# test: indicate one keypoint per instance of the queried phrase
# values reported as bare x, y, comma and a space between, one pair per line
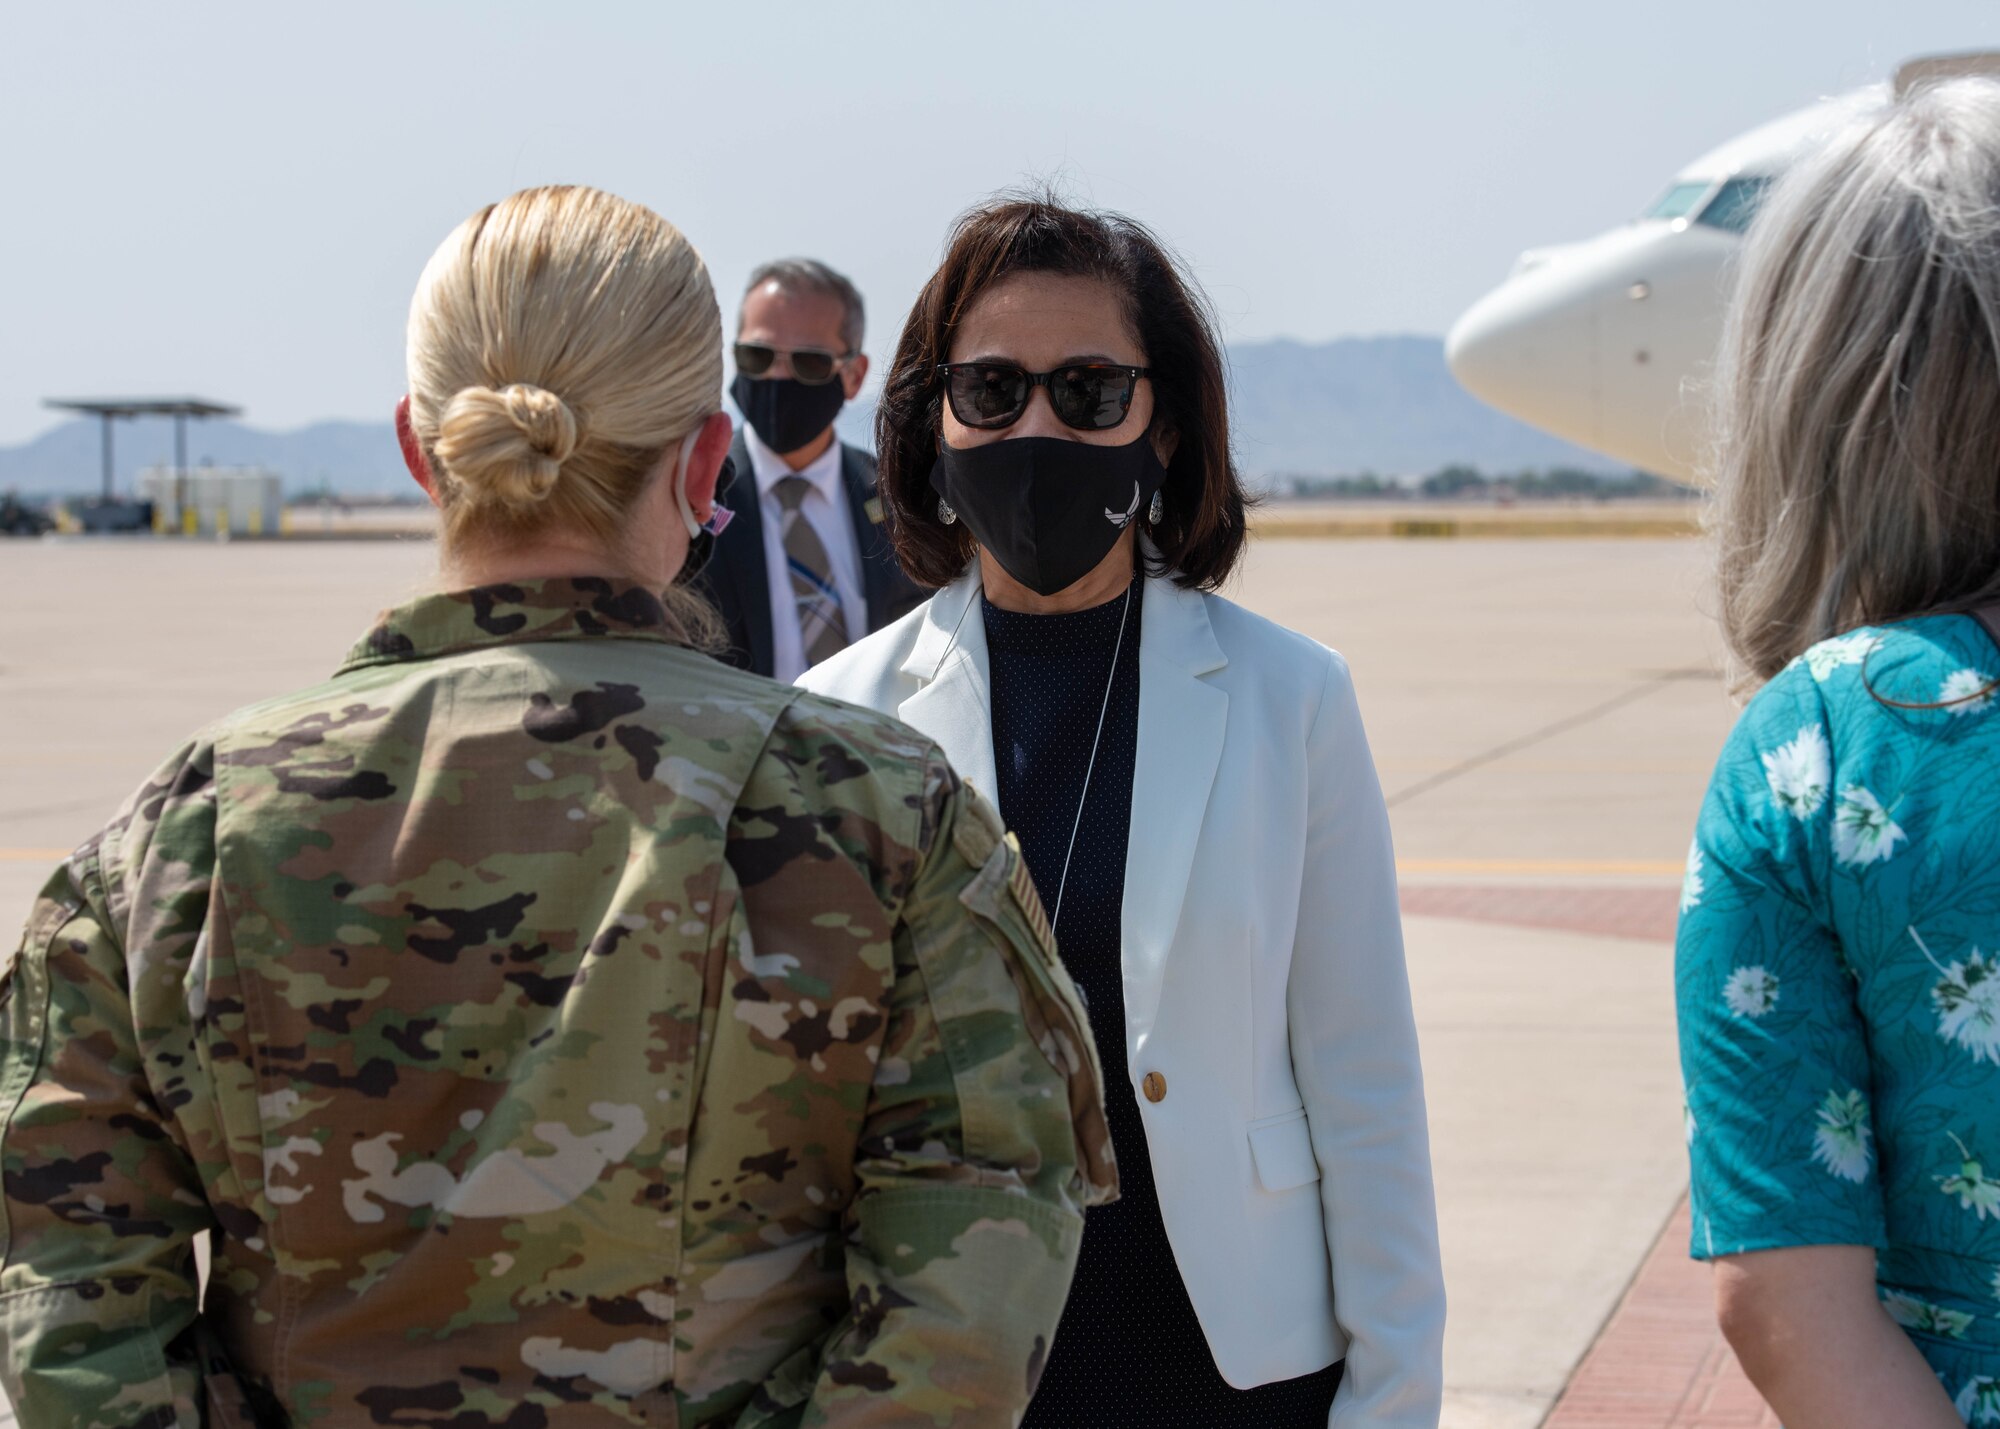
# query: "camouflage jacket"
548, 1025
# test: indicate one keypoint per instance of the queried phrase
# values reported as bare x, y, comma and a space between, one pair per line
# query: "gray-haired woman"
1840, 1023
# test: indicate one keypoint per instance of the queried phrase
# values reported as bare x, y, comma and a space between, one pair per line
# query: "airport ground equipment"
18, 518
214, 500
111, 516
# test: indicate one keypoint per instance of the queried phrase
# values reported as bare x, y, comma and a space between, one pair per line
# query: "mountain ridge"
1386, 405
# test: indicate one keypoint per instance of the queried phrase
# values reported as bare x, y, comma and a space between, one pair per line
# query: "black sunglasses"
1090, 396
811, 365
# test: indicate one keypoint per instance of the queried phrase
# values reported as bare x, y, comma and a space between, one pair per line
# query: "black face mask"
1049, 510
784, 412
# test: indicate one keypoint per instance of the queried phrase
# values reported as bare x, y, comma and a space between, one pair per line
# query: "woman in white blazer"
1194, 792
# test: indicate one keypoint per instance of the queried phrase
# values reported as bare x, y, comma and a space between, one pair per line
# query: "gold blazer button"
1155, 1087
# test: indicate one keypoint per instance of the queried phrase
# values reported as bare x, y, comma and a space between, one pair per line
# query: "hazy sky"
235, 201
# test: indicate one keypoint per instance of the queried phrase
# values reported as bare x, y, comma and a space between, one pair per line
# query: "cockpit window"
1680, 201
1734, 205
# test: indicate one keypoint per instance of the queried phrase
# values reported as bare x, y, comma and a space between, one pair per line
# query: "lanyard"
1110, 680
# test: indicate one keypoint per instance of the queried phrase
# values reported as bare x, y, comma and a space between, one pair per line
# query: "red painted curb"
1661, 1362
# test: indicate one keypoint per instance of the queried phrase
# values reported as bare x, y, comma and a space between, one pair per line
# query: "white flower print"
1687, 1134
1914, 1314
1750, 992
1800, 772
1691, 884
1979, 1402
1966, 692
1996, 1285
1967, 997
1842, 1142
1974, 1191
1863, 832
1830, 655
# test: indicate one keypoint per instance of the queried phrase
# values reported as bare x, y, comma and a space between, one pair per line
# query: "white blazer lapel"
954, 700
1182, 721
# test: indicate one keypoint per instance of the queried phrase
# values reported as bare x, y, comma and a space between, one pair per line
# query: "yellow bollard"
255, 525
190, 521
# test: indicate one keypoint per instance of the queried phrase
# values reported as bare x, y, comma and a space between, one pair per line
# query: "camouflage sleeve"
98, 1297
984, 1141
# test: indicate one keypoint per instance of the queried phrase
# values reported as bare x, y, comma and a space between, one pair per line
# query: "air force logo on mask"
1122, 519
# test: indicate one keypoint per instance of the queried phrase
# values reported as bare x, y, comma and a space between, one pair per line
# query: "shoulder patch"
1021, 888
1003, 893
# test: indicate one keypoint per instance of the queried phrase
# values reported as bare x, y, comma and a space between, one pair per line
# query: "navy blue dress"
1129, 1351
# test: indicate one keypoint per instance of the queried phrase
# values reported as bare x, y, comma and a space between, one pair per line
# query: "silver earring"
945, 513
1157, 511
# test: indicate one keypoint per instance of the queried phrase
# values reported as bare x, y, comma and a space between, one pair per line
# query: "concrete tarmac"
1544, 714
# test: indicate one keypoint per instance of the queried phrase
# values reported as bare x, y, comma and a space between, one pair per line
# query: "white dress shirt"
826, 507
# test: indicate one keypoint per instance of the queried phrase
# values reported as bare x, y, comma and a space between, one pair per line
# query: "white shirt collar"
769, 468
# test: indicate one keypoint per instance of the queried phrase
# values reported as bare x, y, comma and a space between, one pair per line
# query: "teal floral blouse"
1838, 980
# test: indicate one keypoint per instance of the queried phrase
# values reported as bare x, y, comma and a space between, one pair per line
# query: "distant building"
214, 500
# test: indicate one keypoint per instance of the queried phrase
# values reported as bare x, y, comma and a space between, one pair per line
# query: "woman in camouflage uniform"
546, 1024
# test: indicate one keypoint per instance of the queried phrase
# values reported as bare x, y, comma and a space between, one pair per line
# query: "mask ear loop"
681, 467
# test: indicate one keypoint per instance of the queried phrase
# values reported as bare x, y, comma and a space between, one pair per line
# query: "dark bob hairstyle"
1201, 535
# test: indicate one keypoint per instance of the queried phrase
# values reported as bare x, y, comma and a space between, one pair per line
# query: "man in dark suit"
805, 568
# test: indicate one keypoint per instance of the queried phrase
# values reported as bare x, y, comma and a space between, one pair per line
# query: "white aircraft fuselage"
1610, 342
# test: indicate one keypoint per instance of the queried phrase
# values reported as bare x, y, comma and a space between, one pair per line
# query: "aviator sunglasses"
811, 365
1090, 396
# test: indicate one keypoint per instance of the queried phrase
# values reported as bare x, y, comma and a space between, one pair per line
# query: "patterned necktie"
822, 626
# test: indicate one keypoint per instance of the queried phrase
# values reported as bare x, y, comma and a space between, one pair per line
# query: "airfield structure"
112, 409
214, 500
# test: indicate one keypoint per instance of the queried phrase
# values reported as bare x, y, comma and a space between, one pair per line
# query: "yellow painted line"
1546, 867
32, 855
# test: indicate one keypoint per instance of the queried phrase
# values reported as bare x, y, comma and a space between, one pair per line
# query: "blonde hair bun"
509, 445
561, 344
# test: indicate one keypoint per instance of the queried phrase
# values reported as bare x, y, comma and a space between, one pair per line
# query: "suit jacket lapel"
954, 701
1182, 721
747, 566
871, 540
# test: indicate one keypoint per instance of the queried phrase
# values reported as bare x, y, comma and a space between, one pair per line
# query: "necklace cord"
952, 644
1110, 682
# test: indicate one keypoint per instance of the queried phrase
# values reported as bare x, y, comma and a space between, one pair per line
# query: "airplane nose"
1605, 343
1530, 348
